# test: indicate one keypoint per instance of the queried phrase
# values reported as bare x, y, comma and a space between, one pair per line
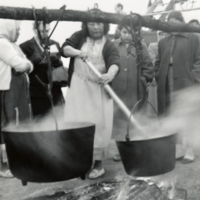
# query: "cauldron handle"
132, 111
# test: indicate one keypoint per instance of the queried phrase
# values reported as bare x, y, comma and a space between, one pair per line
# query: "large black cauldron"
36, 155
148, 157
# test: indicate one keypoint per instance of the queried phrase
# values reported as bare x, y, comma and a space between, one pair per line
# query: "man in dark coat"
177, 66
34, 51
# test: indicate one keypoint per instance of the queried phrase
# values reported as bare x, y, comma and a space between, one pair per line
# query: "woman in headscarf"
14, 90
86, 99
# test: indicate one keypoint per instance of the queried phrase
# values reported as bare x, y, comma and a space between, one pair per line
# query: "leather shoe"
95, 173
186, 161
117, 157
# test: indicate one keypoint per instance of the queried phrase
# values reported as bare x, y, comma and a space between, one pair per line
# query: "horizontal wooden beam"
19, 13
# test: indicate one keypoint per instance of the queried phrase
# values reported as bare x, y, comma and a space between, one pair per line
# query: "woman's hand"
29, 67
83, 55
36, 59
109, 76
106, 78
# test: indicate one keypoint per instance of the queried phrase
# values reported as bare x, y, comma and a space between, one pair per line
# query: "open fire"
131, 189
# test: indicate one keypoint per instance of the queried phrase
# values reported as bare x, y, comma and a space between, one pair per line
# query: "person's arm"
112, 61
110, 75
70, 48
69, 51
10, 56
32, 54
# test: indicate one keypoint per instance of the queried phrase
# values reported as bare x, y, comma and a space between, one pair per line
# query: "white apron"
86, 100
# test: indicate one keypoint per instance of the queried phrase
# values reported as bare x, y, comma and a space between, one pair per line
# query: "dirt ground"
187, 176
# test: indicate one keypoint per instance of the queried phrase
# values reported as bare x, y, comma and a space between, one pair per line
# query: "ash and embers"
125, 190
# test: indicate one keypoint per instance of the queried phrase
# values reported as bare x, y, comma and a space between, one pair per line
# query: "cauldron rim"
74, 125
147, 139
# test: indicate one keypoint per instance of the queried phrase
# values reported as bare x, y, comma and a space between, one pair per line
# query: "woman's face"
96, 30
126, 36
44, 32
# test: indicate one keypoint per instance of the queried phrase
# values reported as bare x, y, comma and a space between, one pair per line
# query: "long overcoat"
183, 50
126, 83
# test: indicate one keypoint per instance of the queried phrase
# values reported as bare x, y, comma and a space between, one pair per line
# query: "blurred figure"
87, 100
14, 83
118, 10
34, 51
194, 22
177, 67
153, 47
130, 85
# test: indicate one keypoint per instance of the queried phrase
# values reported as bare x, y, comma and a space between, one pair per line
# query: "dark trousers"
42, 106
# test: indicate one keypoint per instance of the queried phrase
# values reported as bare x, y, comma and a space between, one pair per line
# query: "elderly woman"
14, 90
86, 99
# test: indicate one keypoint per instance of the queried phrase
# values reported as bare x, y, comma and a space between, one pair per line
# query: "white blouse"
10, 57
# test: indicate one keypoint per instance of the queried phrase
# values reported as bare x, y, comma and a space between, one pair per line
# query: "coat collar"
182, 34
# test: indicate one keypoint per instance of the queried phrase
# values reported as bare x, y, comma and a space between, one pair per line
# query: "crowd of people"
173, 61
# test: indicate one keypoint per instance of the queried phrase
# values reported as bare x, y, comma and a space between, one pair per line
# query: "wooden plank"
73, 15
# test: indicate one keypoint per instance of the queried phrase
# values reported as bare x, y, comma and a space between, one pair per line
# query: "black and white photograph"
100, 100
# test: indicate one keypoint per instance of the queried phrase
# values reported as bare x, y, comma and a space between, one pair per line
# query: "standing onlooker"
87, 99
34, 51
153, 53
128, 85
153, 47
118, 10
177, 67
14, 86
195, 22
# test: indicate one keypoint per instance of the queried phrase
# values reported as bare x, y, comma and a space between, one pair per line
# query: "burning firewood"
121, 190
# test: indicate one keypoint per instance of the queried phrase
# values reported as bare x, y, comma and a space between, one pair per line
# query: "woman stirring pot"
86, 100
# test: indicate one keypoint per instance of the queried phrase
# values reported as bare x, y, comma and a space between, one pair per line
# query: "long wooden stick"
72, 15
117, 100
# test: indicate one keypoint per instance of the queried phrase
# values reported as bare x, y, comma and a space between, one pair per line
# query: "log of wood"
19, 13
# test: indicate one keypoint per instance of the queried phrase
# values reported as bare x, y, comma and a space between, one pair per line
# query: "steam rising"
183, 118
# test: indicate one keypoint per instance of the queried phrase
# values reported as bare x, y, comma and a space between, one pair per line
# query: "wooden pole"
118, 101
72, 15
